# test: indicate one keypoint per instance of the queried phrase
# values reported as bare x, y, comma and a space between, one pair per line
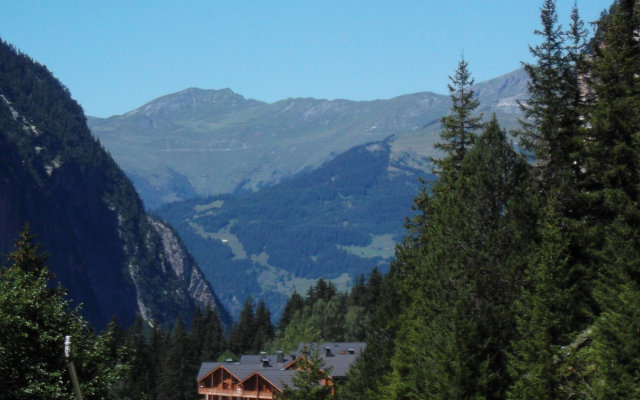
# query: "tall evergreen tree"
542, 135
27, 254
207, 335
612, 177
158, 345
454, 336
34, 320
264, 331
544, 310
294, 304
139, 381
178, 371
310, 381
460, 126
243, 330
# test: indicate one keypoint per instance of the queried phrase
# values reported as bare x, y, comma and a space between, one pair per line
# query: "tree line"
145, 360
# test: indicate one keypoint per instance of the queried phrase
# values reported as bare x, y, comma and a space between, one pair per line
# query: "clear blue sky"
116, 55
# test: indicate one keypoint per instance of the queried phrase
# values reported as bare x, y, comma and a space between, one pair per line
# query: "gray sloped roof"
239, 369
279, 377
339, 364
342, 356
336, 347
257, 359
207, 367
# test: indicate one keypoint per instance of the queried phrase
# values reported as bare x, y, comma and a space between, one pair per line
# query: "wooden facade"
222, 384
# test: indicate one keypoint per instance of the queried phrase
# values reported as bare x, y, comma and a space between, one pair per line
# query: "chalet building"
260, 376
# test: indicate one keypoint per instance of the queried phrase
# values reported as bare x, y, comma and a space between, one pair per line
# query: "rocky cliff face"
176, 261
54, 176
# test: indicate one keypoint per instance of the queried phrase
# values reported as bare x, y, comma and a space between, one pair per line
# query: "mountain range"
55, 178
205, 142
271, 196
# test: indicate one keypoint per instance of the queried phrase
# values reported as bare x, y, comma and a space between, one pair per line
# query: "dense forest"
518, 278
143, 362
303, 227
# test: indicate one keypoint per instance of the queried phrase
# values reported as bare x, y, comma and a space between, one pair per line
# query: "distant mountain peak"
234, 143
190, 99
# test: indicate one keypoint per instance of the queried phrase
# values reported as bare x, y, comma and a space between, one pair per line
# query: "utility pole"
72, 368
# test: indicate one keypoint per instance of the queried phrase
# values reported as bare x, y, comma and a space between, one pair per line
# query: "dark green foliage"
139, 382
366, 377
545, 310
176, 380
242, 333
34, 321
453, 338
116, 364
323, 290
310, 380
460, 126
263, 329
27, 254
208, 336
513, 284
294, 304
542, 135
327, 315
554, 112
614, 152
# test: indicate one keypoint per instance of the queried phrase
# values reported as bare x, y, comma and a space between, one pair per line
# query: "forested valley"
518, 277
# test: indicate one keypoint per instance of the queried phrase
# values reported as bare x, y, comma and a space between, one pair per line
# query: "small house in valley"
260, 376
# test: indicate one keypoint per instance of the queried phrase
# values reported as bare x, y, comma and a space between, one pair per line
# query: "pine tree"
294, 304
176, 377
33, 323
368, 376
542, 135
454, 335
544, 311
612, 179
207, 335
264, 331
243, 330
103, 374
28, 256
390, 344
310, 381
34, 320
139, 381
158, 346
460, 127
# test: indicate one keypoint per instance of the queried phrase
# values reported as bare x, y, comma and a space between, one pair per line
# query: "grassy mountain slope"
206, 142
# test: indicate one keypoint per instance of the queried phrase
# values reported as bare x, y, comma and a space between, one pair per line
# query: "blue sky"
116, 55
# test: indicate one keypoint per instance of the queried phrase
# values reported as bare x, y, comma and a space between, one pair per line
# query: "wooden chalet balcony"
220, 392
254, 394
245, 394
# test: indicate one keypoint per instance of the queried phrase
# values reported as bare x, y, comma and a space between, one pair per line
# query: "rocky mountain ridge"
54, 176
237, 144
